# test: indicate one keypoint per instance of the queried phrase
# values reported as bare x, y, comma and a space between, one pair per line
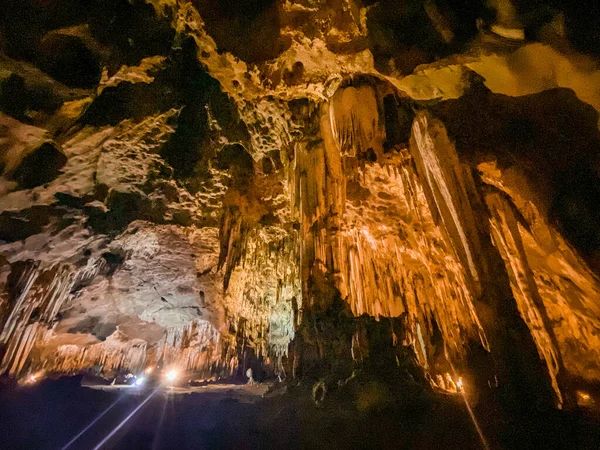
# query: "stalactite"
346, 209
197, 348
354, 115
380, 214
453, 198
261, 290
388, 274
232, 238
507, 239
560, 290
25, 276
41, 292
34, 312
446, 187
116, 353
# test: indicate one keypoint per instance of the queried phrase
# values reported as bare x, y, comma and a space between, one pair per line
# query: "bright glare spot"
446, 383
171, 375
140, 381
148, 370
585, 399
33, 378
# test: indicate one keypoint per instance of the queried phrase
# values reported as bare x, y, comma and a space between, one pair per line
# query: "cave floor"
228, 416
216, 392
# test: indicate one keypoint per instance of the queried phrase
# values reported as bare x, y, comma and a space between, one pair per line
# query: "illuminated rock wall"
196, 198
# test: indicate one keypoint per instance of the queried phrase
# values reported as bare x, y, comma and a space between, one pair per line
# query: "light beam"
124, 421
92, 423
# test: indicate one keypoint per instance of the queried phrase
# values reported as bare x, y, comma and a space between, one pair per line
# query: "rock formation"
219, 185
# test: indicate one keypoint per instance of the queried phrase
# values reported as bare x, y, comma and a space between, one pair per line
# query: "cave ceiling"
185, 180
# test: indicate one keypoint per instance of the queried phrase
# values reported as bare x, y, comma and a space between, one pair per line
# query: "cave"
299, 224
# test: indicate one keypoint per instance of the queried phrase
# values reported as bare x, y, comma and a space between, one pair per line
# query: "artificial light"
584, 399
33, 378
171, 375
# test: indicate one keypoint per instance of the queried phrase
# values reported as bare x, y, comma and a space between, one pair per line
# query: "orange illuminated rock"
260, 188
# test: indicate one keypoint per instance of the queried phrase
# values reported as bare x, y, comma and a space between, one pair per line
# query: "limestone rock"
221, 186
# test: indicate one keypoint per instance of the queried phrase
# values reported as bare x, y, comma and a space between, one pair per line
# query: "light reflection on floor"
241, 392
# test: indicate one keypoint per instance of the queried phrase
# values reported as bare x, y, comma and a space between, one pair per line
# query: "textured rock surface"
191, 184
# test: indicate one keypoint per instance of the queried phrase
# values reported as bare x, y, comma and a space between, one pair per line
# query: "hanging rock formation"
216, 187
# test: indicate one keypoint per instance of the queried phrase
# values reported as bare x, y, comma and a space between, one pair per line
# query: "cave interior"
385, 213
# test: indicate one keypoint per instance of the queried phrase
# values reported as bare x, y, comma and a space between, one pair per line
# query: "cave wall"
191, 185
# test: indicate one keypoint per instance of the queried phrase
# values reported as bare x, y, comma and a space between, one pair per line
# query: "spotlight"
584, 399
459, 385
148, 370
140, 380
171, 375
32, 378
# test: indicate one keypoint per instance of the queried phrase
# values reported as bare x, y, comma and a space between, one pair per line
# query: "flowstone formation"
306, 188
